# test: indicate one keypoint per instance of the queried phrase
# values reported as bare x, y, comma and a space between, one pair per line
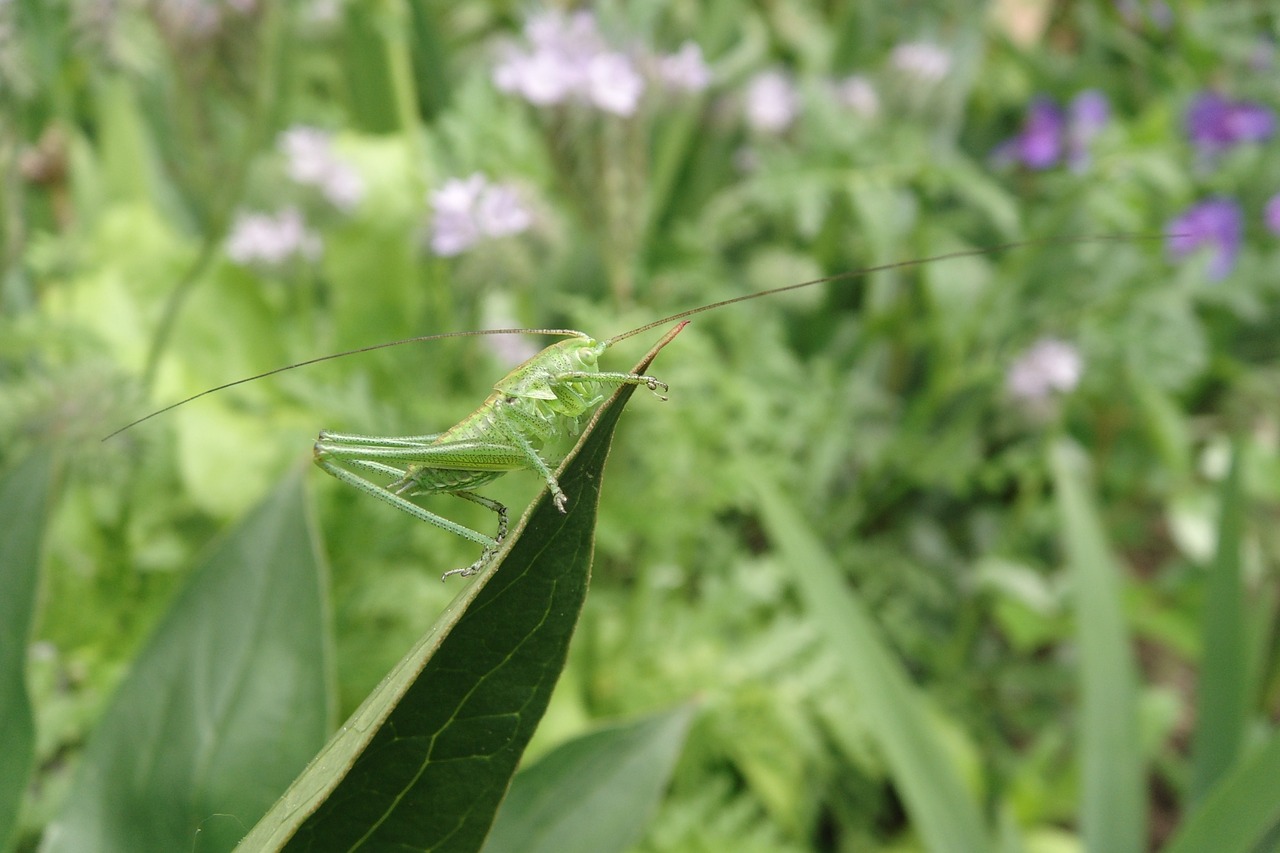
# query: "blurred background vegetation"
199, 190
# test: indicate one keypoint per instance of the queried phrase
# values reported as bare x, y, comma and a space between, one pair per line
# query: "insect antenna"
415, 340
896, 265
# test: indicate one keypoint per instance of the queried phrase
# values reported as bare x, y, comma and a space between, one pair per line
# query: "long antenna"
896, 265
850, 274
343, 354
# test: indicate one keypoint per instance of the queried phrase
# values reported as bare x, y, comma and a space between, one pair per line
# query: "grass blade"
24, 504
1112, 811
1241, 812
941, 810
1222, 697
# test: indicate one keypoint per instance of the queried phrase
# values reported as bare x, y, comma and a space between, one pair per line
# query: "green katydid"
545, 397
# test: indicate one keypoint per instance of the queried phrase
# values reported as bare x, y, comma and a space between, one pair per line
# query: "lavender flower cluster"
568, 60
311, 161
1049, 133
274, 240
468, 210
1214, 126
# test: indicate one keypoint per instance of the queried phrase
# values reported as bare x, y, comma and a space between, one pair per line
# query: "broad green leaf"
425, 761
222, 707
1112, 809
1222, 695
1241, 812
24, 500
594, 793
942, 811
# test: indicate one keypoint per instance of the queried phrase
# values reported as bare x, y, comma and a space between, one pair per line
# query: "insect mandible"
547, 396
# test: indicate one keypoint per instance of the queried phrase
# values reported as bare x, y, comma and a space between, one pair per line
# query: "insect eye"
586, 356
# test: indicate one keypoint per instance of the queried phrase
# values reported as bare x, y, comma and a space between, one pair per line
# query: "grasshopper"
545, 397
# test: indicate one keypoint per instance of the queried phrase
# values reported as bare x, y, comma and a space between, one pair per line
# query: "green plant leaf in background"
24, 500
1112, 805
596, 792
1241, 813
1222, 694
942, 811
227, 700
424, 763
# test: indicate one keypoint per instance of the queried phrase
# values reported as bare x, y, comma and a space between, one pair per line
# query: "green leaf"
1222, 696
1112, 811
425, 761
222, 707
24, 503
898, 716
379, 68
1241, 812
594, 793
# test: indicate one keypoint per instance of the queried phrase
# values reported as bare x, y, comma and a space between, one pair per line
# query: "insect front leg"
618, 379
515, 424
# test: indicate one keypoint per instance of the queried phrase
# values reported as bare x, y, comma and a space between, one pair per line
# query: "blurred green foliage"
975, 525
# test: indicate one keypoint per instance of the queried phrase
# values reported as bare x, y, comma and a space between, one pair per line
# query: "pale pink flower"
772, 102
613, 84
272, 241
568, 60
469, 210
685, 70
310, 160
923, 60
858, 94
1049, 367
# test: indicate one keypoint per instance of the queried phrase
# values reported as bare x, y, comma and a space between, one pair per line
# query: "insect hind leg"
391, 495
403, 504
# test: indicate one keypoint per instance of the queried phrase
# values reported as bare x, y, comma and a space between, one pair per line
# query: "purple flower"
469, 210
1047, 131
1216, 223
1088, 114
772, 102
1216, 124
1271, 214
1039, 144
1050, 366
